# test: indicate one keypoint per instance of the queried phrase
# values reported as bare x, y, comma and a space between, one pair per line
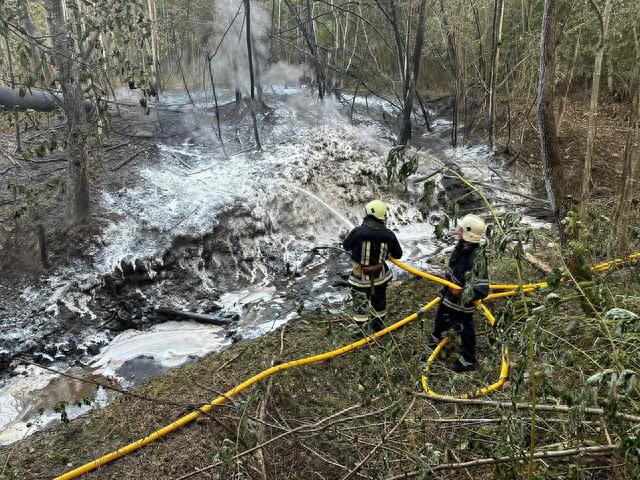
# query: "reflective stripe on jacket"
371, 244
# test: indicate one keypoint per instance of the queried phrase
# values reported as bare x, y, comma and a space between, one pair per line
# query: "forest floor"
524, 146
33, 192
321, 421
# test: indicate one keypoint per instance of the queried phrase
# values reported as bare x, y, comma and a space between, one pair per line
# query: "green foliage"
442, 227
399, 167
61, 408
427, 197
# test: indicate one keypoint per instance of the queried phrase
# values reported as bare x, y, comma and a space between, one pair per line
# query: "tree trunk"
155, 65
27, 23
405, 129
552, 167
631, 165
215, 104
256, 68
309, 36
593, 106
247, 11
498, 17
236, 83
77, 189
454, 65
609, 73
563, 103
16, 117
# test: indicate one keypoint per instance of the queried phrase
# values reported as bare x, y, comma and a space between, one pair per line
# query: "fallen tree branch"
524, 406
384, 438
539, 264
118, 167
596, 450
274, 439
512, 192
197, 317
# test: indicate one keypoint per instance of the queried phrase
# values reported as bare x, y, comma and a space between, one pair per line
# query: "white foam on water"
170, 344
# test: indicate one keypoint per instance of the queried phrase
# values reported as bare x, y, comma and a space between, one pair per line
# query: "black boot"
460, 365
432, 343
377, 324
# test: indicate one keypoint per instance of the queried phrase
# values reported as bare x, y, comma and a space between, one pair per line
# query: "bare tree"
603, 20
498, 17
16, 117
553, 172
247, 12
455, 68
631, 167
64, 57
155, 65
563, 102
405, 129
308, 34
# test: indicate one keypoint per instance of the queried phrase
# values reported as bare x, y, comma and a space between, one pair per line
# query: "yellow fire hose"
335, 353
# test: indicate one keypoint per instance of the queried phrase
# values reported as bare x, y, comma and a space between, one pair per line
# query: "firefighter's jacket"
467, 268
369, 245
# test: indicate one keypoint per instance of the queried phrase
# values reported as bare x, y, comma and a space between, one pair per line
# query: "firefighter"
369, 245
467, 268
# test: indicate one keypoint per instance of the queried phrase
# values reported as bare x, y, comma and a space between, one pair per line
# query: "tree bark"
151, 7
247, 11
593, 106
16, 117
631, 163
309, 36
77, 189
454, 61
405, 130
498, 17
553, 170
563, 103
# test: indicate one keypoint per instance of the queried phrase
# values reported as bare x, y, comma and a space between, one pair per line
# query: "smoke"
231, 64
283, 73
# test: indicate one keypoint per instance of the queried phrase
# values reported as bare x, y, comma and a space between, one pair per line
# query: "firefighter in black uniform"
369, 245
467, 268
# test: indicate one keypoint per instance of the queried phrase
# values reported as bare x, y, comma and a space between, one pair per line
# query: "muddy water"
208, 228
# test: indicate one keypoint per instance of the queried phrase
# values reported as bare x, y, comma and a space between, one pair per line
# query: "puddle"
28, 401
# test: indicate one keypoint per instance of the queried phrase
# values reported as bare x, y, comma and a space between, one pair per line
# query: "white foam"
170, 344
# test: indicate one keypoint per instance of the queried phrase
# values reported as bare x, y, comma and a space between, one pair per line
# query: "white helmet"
473, 228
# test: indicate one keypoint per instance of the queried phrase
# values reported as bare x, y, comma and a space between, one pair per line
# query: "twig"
382, 440
524, 406
113, 147
127, 160
260, 434
180, 160
274, 439
184, 218
596, 450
